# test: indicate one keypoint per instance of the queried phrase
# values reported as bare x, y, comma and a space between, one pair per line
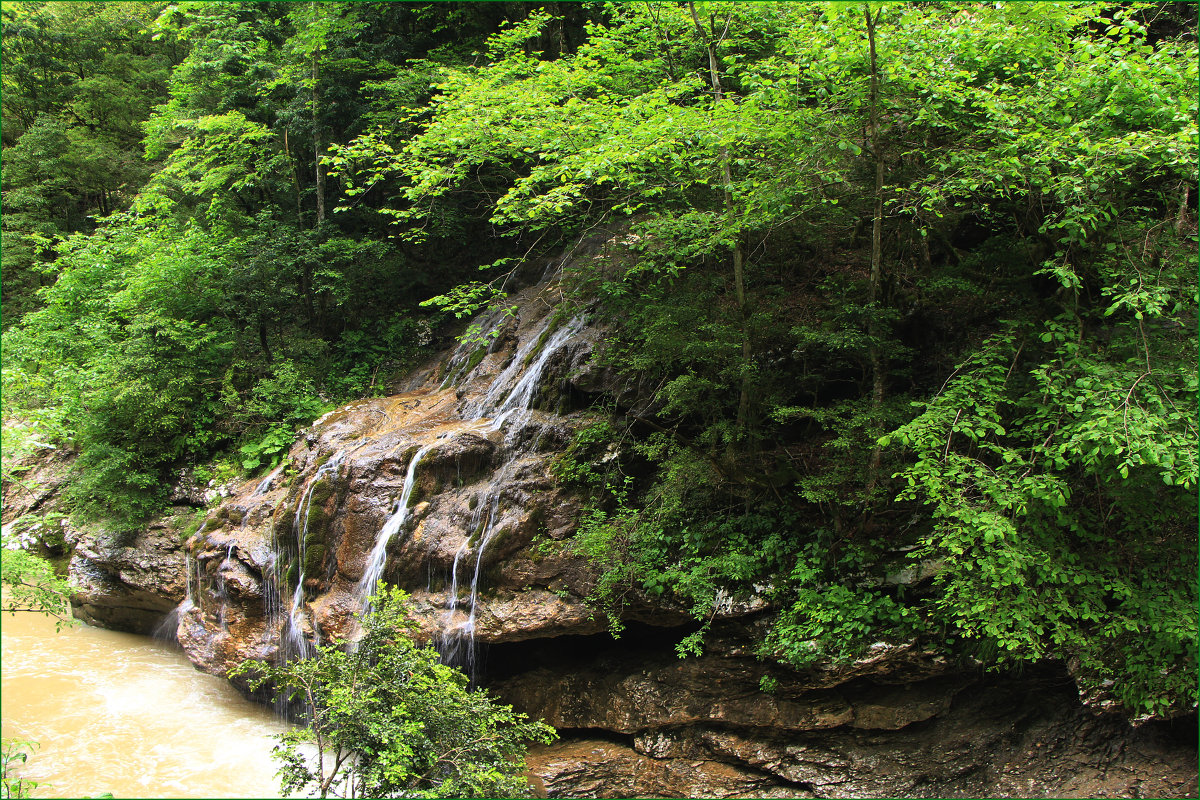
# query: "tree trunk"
316, 97
262, 339
316, 124
287, 150
876, 358
739, 282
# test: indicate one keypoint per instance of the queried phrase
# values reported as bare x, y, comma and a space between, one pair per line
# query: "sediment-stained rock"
131, 587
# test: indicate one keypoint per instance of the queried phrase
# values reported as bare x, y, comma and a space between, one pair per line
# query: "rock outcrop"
133, 587
1027, 737
901, 722
468, 451
126, 583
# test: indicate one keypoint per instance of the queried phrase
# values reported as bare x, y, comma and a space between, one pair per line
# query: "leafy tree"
899, 286
78, 81
389, 720
739, 129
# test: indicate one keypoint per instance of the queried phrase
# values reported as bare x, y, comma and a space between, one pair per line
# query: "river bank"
126, 714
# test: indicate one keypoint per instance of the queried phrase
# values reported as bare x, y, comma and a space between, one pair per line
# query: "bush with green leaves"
388, 719
31, 584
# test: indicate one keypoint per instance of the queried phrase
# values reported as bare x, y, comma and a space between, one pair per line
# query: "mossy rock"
477, 534
314, 558
425, 489
536, 518
472, 361
282, 527
315, 537
500, 538
322, 490
197, 523
316, 517
476, 356
489, 578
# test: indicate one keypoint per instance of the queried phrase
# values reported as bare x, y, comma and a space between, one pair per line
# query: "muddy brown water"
114, 712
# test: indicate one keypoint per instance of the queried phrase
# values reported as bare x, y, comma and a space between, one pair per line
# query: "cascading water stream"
378, 558
264, 485
193, 596
468, 631
508, 392
168, 629
294, 642
457, 643
449, 642
511, 393
222, 591
521, 397
460, 363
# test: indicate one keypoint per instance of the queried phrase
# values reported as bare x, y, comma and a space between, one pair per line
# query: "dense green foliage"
904, 294
388, 719
220, 306
78, 80
1029, 286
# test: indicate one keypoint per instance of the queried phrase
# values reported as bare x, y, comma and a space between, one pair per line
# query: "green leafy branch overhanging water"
387, 719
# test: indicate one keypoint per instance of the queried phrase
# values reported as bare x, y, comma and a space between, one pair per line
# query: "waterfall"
294, 641
278, 618
469, 628
265, 484
511, 394
508, 393
457, 640
503, 404
222, 592
378, 558
522, 395
168, 629
193, 596
449, 642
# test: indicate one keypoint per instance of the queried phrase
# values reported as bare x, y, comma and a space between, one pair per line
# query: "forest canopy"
906, 291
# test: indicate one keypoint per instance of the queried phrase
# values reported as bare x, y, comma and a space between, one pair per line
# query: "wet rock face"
128, 588
440, 490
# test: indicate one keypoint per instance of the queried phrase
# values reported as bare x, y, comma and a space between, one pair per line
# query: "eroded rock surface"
947, 736
456, 468
132, 587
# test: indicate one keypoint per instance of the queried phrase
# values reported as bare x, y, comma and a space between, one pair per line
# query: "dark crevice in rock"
777, 779
563, 653
1181, 731
600, 734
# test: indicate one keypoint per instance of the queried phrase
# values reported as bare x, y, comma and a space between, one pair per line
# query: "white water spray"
400, 513
294, 639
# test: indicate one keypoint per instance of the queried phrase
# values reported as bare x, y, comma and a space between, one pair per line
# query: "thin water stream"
114, 712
